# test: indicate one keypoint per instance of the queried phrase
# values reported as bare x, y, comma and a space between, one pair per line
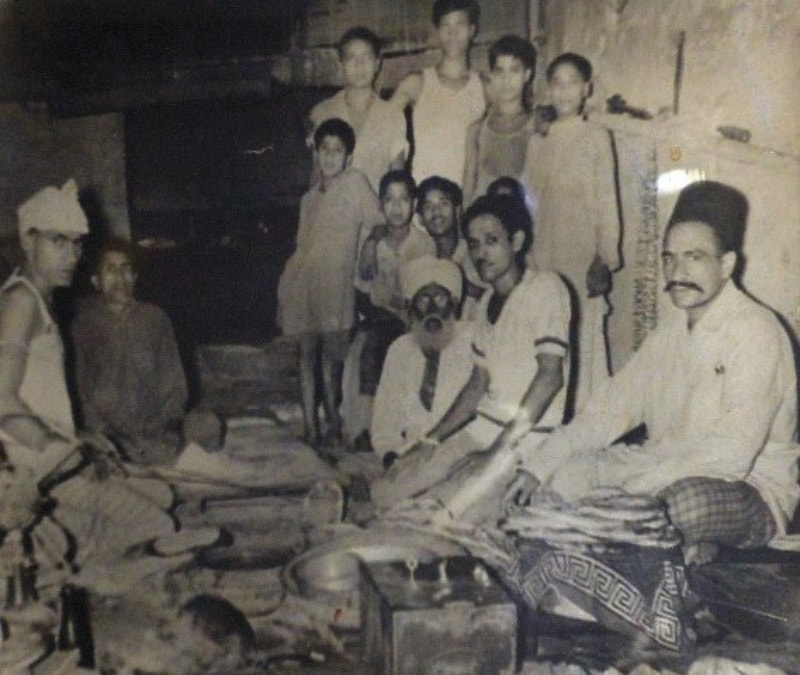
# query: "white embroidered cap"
53, 210
420, 272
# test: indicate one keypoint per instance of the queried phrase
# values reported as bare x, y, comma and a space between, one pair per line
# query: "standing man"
716, 387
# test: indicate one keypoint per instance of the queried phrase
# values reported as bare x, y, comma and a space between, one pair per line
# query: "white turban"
420, 272
53, 210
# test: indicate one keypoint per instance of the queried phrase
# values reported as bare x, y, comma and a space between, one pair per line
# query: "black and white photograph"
405, 337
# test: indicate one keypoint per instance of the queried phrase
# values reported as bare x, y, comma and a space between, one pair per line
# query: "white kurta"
718, 401
398, 415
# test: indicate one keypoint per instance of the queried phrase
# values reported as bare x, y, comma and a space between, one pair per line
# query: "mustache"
683, 284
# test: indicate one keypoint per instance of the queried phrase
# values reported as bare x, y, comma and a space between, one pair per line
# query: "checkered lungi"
730, 513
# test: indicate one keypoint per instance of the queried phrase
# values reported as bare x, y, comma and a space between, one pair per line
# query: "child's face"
508, 78
115, 278
397, 205
360, 64
455, 33
492, 250
332, 156
568, 90
438, 213
53, 256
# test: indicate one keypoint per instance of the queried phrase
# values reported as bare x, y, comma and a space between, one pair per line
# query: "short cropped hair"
511, 213
115, 245
580, 63
359, 33
442, 7
219, 620
513, 45
339, 128
397, 176
448, 187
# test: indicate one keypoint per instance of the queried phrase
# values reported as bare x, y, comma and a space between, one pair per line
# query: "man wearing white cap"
36, 425
34, 403
427, 367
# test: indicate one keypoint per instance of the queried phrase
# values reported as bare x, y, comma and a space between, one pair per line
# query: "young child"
520, 349
570, 173
447, 98
316, 297
388, 248
380, 128
496, 143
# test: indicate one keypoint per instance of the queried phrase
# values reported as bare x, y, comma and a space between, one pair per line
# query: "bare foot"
700, 553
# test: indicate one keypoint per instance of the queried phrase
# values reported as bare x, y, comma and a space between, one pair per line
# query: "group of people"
474, 263
477, 268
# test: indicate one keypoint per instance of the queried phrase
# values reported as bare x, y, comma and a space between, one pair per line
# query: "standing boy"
447, 98
570, 173
316, 297
380, 128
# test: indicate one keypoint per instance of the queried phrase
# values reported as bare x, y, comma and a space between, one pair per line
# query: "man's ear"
728, 261
517, 240
348, 161
95, 281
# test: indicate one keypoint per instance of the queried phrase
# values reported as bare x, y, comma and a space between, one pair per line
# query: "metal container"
445, 616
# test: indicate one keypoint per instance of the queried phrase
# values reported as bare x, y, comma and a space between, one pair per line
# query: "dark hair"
339, 128
218, 620
506, 185
511, 213
442, 7
722, 207
397, 176
115, 245
359, 33
581, 64
513, 45
451, 189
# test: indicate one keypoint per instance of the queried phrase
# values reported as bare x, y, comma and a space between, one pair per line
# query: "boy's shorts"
334, 344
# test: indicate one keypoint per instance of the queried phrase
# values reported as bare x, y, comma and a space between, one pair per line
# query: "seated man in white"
519, 358
427, 367
715, 386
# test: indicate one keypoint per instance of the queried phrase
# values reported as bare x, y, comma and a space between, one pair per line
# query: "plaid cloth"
719, 512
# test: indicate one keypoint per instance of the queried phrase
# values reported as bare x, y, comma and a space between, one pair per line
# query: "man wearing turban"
427, 367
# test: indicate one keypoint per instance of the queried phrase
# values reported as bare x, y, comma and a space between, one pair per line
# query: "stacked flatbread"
602, 520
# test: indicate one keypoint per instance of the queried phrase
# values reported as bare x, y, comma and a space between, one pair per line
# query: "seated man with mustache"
714, 384
427, 367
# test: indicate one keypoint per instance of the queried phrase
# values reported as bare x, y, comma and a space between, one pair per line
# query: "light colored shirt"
398, 415
441, 118
316, 289
534, 320
379, 141
718, 401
